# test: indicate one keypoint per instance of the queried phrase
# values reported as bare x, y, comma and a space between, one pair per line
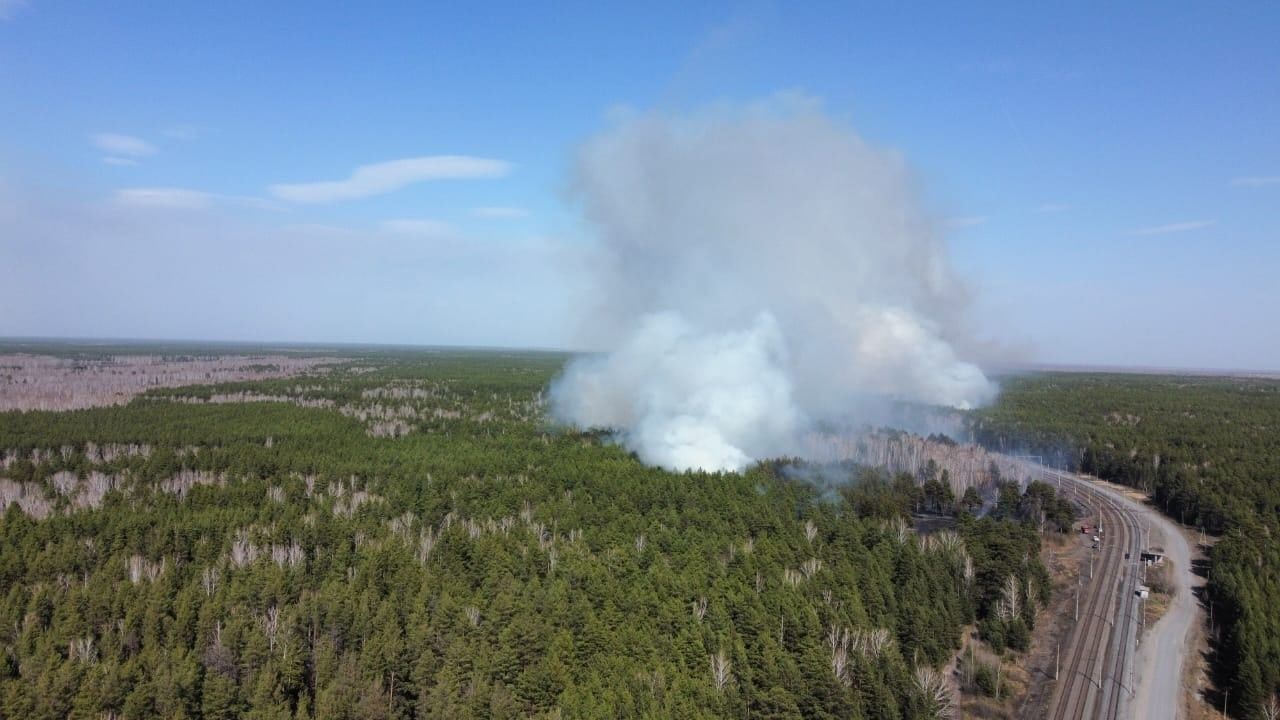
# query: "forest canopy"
405, 536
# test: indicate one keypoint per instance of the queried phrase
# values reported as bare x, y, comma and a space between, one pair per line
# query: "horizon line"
312, 345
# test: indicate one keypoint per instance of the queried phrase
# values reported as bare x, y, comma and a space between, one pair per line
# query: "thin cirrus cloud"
177, 198
385, 177
1256, 180
1172, 227
170, 198
122, 146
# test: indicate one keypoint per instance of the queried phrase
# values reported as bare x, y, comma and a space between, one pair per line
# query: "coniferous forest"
405, 536
1207, 450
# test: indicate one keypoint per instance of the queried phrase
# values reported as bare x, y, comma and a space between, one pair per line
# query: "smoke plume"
759, 270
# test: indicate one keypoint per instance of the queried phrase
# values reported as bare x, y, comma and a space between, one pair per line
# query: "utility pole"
1133, 674
1057, 659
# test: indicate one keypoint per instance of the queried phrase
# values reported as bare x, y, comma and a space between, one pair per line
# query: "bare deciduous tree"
700, 608
840, 641
271, 626
209, 580
721, 669
938, 700
872, 643
141, 569
291, 555
426, 543
82, 650
1010, 600
243, 550
899, 530
28, 495
1271, 708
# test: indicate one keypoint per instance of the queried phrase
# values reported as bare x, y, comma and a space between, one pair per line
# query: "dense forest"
406, 537
1207, 449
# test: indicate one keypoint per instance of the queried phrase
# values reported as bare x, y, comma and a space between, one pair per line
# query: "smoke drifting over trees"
760, 269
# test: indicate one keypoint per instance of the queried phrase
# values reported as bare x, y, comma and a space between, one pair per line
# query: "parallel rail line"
1094, 675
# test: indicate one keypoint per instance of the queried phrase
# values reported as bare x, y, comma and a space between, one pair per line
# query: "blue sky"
1108, 177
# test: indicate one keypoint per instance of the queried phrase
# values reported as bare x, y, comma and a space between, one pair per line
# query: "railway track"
1095, 673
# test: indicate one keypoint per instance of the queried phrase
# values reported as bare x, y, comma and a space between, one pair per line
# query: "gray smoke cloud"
760, 269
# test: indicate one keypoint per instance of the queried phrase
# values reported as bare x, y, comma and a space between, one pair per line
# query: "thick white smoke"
760, 269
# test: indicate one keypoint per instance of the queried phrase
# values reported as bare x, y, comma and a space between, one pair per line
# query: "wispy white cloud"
425, 227
1256, 180
113, 160
117, 145
499, 212
969, 221
165, 197
9, 8
176, 198
1172, 227
386, 177
1052, 208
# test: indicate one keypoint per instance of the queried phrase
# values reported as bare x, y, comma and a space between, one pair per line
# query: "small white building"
1143, 591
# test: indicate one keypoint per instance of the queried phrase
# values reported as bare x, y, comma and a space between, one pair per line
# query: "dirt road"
1164, 649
